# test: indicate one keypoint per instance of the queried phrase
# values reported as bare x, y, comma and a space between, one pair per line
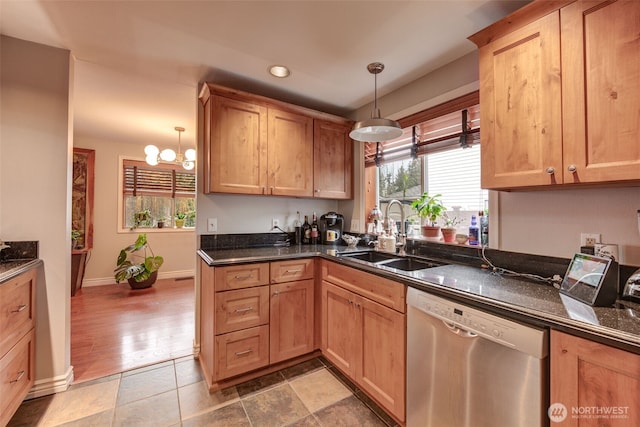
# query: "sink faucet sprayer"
402, 237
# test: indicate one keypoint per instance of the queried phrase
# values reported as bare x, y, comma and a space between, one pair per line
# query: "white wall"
35, 188
176, 247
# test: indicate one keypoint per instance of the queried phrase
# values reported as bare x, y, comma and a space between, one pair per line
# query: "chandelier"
154, 155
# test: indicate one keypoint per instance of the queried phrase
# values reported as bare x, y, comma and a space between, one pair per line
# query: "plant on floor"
137, 268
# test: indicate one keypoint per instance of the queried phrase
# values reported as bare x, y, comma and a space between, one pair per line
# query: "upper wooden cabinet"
561, 116
257, 145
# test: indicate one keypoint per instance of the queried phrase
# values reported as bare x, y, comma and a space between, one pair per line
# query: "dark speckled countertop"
522, 300
11, 269
17, 258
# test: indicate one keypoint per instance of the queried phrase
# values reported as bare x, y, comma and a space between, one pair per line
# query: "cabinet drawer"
241, 351
289, 271
16, 376
241, 276
241, 309
17, 309
384, 291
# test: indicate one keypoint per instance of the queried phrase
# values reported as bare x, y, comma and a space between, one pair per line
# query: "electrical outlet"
212, 224
275, 223
355, 226
589, 239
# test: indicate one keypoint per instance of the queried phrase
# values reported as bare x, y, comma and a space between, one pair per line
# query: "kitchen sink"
408, 264
369, 256
397, 262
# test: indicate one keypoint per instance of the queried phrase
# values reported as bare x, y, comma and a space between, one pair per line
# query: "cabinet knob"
551, 170
317, 190
572, 168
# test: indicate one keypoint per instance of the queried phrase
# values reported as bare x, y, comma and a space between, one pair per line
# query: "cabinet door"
600, 87
382, 373
333, 160
17, 375
290, 155
236, 147
341, 335
586, 374
291, 320
520, 95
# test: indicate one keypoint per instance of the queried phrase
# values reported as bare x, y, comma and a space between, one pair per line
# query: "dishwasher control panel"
477, 322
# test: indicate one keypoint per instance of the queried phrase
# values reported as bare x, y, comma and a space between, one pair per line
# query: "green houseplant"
429, 208
449, 230
140, 270
180, 217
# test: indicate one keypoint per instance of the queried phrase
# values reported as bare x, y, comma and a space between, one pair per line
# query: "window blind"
429, 130
164, 180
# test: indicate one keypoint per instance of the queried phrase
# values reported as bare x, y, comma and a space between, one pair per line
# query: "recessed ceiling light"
279, 71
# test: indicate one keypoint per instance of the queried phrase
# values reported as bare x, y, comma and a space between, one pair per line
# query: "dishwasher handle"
463, 333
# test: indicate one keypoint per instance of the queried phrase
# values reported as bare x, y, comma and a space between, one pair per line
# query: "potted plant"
449, 230
142, 218
430, 208
140, 270
160, 222
180, 216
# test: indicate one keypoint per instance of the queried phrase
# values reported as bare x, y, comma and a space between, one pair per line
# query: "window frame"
121, 228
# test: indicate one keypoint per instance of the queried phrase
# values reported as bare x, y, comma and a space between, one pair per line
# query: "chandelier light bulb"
152, 159
151, 150
168, 155
188, 165
190, 154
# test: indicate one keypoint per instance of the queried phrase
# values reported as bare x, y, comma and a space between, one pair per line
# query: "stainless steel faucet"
402, 237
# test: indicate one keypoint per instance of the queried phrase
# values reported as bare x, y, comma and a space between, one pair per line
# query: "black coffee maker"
331, 225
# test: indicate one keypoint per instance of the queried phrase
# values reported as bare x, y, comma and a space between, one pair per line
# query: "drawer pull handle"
243, 277
242, 353
20, 375
243, 310
292, 271
20, 308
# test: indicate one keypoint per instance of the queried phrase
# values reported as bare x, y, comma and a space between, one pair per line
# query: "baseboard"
47, 386
178, 274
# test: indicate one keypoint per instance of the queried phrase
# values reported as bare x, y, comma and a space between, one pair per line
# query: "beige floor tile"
195, 399
228, 416
319, 389
188, 371
146, 384
81, 402
275, 407
101, 419
158, 411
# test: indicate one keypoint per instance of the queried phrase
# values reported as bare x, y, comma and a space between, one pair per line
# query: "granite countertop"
12, 268
521, 299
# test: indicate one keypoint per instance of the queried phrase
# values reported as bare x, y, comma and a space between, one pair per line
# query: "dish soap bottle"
473, 231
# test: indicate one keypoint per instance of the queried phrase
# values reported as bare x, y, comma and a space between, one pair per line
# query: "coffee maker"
331, 225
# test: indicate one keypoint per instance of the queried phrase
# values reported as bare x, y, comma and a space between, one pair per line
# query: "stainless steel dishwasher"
469, 368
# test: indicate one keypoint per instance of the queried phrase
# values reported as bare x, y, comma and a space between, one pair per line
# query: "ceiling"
139, 63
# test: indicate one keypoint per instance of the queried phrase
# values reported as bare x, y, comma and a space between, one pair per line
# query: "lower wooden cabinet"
598, 385
17, 342
253, 316
365, 339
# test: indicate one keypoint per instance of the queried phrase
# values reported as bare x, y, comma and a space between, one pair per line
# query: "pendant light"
154, 155
375, 129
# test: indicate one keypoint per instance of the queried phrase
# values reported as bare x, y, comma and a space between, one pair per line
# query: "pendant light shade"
375, 129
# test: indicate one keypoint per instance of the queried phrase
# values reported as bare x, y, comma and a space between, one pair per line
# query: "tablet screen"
584, 276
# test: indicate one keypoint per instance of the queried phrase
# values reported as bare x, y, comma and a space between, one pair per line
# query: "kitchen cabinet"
553, 116
257, 145
587, 375
253, 316
17, 342
333, 160
364, 332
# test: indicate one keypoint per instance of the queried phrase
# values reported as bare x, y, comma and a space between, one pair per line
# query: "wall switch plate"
212, 224
275, 223
355, 225
589, 239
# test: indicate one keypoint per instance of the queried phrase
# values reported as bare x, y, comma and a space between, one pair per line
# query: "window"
153, 194
438, 152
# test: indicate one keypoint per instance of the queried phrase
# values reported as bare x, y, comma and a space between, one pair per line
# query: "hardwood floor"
115, 328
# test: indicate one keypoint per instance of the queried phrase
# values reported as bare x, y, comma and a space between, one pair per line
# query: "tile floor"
173, 393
